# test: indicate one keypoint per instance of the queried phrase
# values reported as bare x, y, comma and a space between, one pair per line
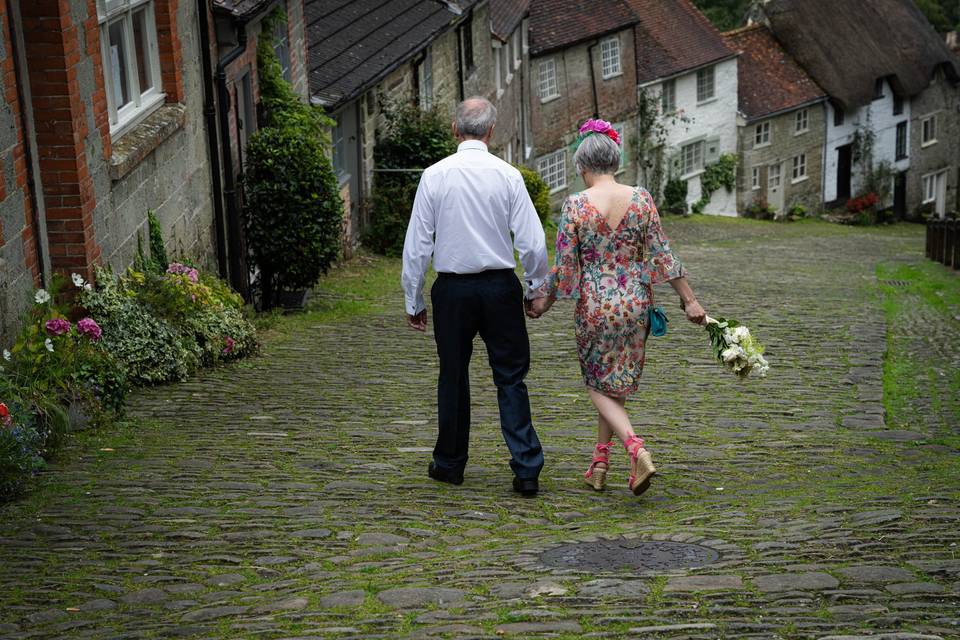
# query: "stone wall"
785, 144
942, 98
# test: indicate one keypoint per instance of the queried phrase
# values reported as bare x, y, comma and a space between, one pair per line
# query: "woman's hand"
695, 312
537, 307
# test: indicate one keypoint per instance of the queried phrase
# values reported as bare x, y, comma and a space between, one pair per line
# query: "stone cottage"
892, 85
116, 107
781, 126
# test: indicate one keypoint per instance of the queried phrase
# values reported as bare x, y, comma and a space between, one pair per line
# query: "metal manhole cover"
620, 554
894, 283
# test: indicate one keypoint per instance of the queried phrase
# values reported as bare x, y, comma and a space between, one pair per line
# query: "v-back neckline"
626, 213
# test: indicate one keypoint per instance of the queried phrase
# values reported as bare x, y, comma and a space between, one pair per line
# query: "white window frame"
905, 128
755, 179
515, 47
774, 176
802, 122
929, 186
552, 167
142, 103
506, 62
762, 136
547, 87
668, 89
703, 75
610, 63
928, 137
799, 173
691, 158
524, 35
425, 81
498, 66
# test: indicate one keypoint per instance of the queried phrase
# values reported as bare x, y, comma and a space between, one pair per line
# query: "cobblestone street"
287, 496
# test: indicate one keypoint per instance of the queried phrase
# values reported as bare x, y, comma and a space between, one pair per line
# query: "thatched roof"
847, 45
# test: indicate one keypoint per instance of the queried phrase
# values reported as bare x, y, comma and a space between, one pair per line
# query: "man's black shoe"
434, 472
526, 487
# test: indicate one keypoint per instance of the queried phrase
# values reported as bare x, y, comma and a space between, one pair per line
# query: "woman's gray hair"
475, 117
597, 154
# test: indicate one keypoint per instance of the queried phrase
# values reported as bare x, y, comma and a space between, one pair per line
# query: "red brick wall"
168, 41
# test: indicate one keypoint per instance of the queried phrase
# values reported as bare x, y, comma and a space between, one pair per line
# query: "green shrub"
158, 253
760, 210
293, 210
675, 197
21, 443
538, 191
412, 139
722, 173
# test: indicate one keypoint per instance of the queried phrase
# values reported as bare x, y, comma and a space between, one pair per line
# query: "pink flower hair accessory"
597, 126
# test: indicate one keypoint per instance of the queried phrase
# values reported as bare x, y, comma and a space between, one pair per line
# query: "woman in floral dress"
611, 249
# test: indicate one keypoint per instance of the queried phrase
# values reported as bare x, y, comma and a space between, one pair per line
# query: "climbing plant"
722, 173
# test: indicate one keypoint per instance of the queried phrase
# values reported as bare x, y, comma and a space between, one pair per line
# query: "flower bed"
147, 326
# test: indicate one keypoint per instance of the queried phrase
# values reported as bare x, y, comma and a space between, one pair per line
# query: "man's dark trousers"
489, 303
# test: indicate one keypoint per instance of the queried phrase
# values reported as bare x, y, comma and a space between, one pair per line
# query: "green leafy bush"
675, 197
538, 191
722, 173
412, 139
21, 443
293, 210
760, 210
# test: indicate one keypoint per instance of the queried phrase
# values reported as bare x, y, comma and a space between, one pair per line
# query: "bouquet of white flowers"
736, 348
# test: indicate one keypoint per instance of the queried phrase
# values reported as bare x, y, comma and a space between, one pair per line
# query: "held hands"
536, 307
418, 322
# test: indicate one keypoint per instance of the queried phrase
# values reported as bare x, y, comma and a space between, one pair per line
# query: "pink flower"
230, 344
57, 326
90, 328
182, 269
599, 126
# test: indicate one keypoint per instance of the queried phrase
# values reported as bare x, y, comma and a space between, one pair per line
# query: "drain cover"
621, 553
894, 283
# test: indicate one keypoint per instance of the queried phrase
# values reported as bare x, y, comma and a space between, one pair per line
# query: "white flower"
48, 343
7, 355
741, 333
78, 280
41, 297
88, 287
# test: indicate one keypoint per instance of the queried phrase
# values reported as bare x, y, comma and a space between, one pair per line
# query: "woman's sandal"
596, 475
641, 465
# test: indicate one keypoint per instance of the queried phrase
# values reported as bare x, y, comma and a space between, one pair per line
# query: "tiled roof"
770, 80
555, 24
847, 45
243, 8
353, 44
506, 15
672, 37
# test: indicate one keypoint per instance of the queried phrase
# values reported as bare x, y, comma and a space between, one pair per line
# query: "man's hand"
695, 312
419, 321
537, 307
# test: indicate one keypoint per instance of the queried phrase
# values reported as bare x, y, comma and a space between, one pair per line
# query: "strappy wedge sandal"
596, 475
641, 465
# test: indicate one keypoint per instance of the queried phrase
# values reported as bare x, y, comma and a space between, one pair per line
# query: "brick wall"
298, 47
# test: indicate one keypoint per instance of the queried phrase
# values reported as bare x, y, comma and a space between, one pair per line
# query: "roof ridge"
739, 30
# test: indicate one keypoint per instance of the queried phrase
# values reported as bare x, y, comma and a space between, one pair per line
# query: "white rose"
7, 355
41, 297
48, 343
78, 280
730, 354
741, 333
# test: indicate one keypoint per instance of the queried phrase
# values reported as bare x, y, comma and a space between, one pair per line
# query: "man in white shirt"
466, 207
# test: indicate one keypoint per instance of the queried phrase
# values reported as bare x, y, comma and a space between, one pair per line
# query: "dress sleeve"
564, 279
659, 264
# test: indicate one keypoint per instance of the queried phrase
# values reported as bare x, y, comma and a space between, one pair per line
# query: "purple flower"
182, 269
57, 326
230, 344
90, 328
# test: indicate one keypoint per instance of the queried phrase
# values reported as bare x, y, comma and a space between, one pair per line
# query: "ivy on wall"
722, 173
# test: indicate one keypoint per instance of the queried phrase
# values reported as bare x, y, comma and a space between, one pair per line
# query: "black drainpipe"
460, 79
593, 79
27, 153
210, 114
234, 231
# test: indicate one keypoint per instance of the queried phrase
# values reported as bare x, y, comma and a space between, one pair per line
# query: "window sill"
762, 146
701, 103
799, 180
755, 188
693, 174
549, 99
499, 93
613, 75
558, 189
509, 78
140, 141
800, 133
928, 143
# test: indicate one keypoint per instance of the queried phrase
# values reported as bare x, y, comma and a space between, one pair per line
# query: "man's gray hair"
597, 154
475, 117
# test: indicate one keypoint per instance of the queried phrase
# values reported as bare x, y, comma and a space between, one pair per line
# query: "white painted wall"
878, 115
714, 119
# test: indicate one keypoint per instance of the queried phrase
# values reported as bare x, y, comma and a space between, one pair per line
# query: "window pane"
118, 65
140, 45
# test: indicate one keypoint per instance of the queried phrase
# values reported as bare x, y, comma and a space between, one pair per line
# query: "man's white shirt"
466, 207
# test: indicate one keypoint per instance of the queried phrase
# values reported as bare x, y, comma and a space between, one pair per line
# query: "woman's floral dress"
610, 272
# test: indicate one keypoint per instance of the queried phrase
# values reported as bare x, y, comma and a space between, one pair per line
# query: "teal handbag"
657, 321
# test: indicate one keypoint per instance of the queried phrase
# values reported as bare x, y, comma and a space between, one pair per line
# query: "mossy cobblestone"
287, 496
